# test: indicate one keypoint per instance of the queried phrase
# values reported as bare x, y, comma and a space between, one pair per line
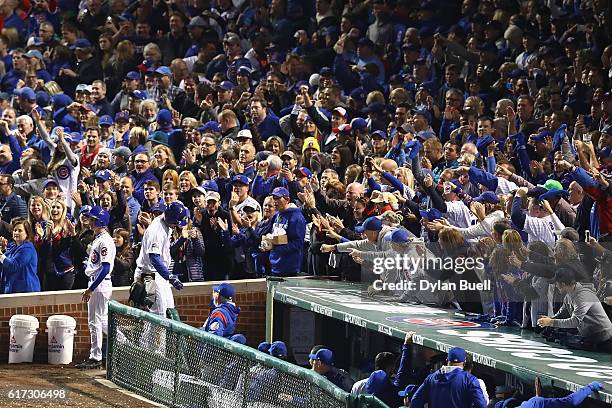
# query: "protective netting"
177, 365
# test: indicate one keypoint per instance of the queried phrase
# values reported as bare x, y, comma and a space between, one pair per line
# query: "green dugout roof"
507, 349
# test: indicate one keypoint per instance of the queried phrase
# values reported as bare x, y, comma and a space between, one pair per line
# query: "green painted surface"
507, 349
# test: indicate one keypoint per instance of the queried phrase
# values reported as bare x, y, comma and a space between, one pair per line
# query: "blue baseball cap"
280, 192
27, 93
376, 382
408, 391
133, 75
432, 214
487, 197
605, 152
105, 120
553, 194
240, 178
85, 209
122, 115
74, 137
125, 16
380, 133
176, 213
423, 112
210, 126
358, 93
303, 171
264, 346
238, 338
227, 85
370, 224
43, 98
100, 215
326, 356
163, 71
536, 191
359, 124
226, 290
138, 94
326, 71
210, 185
164, 117
399, 236
50, 181
244, 71
80, 44
456, 355
103, 175
278, 349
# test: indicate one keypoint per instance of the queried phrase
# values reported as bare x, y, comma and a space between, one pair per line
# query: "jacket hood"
447, 374
232, 307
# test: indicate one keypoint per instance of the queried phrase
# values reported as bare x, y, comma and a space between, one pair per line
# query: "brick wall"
192, 303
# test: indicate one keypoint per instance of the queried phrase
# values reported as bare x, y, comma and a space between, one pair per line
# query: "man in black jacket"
217, 258
88, 67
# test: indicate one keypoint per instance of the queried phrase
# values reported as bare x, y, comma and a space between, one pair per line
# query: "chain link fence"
180, 366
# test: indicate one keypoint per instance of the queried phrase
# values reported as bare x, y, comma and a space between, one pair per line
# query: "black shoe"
89, 364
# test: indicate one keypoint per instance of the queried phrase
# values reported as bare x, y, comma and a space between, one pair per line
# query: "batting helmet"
100, 215
176, 213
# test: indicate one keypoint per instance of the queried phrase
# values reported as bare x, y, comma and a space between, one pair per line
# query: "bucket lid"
61, 321
26, 321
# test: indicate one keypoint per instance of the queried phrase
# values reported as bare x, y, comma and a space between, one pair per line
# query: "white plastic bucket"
60, 340
23, 330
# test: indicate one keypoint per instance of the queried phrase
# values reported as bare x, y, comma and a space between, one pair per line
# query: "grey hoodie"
586, 314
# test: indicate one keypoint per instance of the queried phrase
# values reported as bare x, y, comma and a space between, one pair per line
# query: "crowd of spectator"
316, 136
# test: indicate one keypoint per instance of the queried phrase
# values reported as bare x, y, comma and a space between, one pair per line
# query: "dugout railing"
177, 365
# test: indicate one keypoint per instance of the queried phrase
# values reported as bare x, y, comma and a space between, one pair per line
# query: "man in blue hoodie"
286, 258
450, 386
223, 311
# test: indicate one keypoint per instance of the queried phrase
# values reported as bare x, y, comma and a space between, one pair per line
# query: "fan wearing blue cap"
374, 231
450, 386
286, 242
223, 311
154, 259
99, 268
322, 362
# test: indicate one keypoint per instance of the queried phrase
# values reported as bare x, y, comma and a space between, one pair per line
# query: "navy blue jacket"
286, 260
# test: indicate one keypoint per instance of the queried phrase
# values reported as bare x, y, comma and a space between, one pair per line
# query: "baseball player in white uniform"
99, 268
154, 258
